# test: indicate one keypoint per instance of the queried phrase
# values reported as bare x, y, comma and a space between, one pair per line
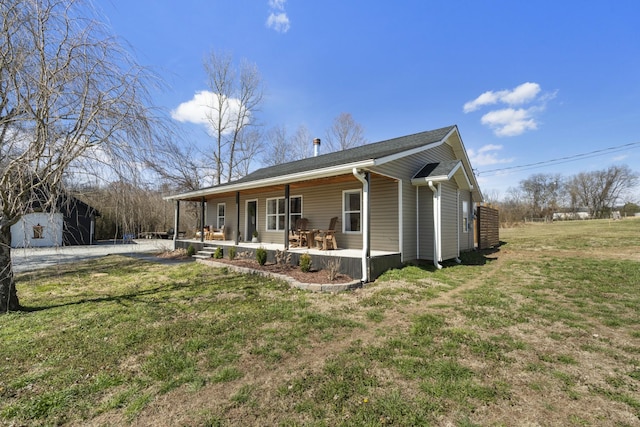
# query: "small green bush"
232, 253
191, 251
218, 253
261, 256
305, 263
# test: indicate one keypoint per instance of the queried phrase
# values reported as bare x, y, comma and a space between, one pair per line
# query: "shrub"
261, 256
218, 253
191, 251
232, 253
333, 268
283, 257
305, 263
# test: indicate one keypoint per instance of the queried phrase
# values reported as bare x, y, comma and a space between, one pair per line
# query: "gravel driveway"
35, 258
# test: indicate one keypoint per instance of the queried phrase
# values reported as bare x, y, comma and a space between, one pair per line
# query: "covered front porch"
352, 261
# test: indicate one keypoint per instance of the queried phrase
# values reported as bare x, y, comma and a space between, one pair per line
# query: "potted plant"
254, 239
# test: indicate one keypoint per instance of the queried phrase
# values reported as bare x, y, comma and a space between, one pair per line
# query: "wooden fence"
487, 225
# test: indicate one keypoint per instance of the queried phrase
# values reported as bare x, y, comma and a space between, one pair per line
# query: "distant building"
70, 222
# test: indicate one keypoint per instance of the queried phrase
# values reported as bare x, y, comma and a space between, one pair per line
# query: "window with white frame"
276, 212
465, 216
295, 210
222, 207
352, 211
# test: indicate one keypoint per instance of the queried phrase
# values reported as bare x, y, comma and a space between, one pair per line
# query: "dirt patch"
313, 276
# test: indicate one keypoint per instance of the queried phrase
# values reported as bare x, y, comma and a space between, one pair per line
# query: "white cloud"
278, 19
486, 155
620, 157
278, 22
277, 4
199, 110
524, 93
511, 121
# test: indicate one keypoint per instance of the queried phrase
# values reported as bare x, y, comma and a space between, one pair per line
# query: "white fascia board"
279, 180
425, 181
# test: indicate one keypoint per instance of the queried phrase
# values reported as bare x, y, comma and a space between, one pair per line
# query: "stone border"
315, 287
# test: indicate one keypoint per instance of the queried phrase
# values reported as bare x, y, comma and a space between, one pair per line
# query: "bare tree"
237, 95
344, 133
542, 192
68, 91
283, 148
601, 190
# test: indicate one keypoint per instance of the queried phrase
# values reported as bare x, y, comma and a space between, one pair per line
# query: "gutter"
437, 241
363, 177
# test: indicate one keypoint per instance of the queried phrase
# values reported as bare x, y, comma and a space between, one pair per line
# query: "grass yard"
544, 331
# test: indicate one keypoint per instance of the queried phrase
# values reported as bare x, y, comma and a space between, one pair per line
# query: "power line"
561, 160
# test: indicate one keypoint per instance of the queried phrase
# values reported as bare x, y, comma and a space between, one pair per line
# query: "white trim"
280, 180
344, 221
417, 222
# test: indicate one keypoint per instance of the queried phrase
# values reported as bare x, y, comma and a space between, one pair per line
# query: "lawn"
543, 331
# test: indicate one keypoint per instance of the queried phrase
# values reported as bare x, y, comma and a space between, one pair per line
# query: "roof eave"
280, 180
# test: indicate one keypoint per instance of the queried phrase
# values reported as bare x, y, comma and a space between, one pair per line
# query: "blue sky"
525, 82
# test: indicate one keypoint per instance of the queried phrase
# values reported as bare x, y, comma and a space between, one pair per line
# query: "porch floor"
341, 253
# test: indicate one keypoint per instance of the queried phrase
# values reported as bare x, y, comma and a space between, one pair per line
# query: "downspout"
363, 177
458, 225
436, 224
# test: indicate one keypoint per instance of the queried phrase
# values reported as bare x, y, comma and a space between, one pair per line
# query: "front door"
252, 219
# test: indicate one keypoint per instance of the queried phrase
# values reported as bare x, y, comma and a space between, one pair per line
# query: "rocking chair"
326, 239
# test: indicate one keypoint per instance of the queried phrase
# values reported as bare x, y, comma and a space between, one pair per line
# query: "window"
295, 210
276, 212
38, 231
351, 211
465, 216
221, 210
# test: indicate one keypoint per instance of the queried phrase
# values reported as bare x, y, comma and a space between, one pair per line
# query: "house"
404, 199
70, 222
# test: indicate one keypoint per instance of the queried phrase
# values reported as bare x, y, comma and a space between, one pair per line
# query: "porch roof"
326, 165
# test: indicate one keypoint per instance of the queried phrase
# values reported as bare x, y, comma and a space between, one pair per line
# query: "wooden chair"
298, 235
326, 239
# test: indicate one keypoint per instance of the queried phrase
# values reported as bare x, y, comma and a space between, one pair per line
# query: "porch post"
286, 217
176, 223
202, 213
236, 239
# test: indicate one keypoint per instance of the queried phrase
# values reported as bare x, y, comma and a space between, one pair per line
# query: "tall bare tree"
542, 193
283, 148
344, 133
68, 91
237, 95
601, 190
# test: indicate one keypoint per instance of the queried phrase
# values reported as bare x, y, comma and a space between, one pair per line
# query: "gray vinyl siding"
404, 169
425, 223
384, 214
450, 221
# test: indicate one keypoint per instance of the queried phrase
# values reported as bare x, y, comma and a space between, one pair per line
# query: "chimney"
316, 147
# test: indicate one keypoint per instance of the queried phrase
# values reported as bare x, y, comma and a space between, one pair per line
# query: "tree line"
597, 193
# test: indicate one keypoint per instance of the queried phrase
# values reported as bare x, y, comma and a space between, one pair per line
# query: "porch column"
202, 213
286, 217
236, 239
176, 223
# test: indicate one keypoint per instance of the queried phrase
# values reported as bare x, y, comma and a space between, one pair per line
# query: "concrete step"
205, 253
